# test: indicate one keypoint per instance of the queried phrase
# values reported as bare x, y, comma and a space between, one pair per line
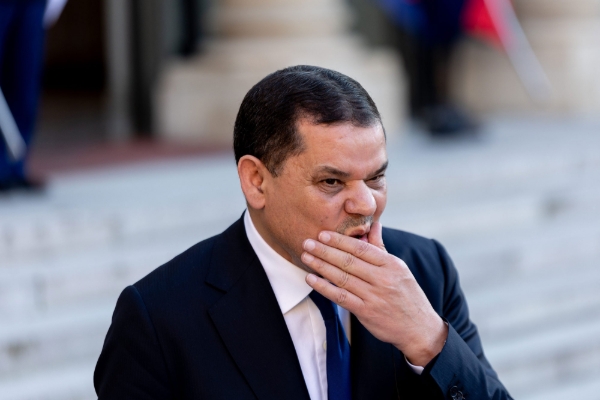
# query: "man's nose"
361, 200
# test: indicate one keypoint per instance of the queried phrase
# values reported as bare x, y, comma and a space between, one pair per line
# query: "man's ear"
252, 173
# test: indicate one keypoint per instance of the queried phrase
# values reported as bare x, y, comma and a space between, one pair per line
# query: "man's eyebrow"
332, 171
381, 169
343, 174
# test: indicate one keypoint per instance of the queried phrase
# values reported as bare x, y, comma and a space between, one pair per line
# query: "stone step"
49, 235
432, 176
555, 355
463, 215
111, 215
83, 272
239, 59
89, 284
584, 387
536, 283
78, 333
32, 289
72, 381
265, 3
252, 19
28, 289
433, 171
155, 184
39, 283
89, 274
75, 336
553, 246
106, 207
54, 339
536, 302
198, 99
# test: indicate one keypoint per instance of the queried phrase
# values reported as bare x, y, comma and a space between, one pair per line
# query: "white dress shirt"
301, 315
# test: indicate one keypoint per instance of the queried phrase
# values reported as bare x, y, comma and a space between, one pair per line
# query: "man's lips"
364, 238
360, 234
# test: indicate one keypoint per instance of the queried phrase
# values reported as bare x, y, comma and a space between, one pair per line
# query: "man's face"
337, 183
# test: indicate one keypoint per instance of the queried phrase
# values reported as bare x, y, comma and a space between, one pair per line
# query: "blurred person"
306, 295
426, 34
21, 58
190, 27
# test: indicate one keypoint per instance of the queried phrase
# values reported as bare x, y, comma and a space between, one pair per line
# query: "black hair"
265, 126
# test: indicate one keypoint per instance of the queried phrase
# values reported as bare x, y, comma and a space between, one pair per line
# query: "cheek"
313, 209
327, 212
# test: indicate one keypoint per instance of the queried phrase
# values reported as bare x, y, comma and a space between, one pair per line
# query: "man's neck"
264, 232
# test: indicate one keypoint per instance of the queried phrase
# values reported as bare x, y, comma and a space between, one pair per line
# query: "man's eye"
331, 182
376, 181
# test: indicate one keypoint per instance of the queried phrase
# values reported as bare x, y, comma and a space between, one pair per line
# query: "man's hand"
379, 289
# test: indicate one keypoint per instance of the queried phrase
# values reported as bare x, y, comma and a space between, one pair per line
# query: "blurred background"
492, 112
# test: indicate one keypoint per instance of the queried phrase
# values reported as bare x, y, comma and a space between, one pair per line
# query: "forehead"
342, 146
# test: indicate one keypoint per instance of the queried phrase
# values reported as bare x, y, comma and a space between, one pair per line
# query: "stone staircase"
198, 99
517, 210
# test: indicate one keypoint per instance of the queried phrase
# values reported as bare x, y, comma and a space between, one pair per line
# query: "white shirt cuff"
418, 370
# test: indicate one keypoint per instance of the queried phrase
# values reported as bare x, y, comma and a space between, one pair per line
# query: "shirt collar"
287, 280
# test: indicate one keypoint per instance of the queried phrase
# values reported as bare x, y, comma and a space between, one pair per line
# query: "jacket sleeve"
461, 369
131, 364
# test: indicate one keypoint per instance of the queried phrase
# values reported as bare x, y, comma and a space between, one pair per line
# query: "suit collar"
287, 280
249, 319
231, 256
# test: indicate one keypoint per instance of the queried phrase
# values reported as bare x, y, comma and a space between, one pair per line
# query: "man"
21, 57
236, 316
426, 34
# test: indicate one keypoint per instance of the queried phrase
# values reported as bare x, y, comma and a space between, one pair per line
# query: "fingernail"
309, 244
324, 237
307, 257
311, 279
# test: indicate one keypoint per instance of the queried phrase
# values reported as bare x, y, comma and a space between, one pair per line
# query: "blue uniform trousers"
21, 59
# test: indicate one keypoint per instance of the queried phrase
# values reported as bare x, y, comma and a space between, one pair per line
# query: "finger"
375, 237
339, 296
362, 250
340, 259
337, 276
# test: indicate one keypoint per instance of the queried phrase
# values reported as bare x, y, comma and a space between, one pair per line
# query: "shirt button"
325, 345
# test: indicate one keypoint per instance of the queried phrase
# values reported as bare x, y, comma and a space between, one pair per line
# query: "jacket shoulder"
426, 259
189, 267
423, 252
396, 237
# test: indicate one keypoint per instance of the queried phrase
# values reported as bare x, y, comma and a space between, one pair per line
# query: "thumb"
375, 237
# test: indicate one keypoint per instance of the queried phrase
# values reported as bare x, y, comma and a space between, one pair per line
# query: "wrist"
422, 354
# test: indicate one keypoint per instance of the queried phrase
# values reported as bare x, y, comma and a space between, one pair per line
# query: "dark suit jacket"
207, 325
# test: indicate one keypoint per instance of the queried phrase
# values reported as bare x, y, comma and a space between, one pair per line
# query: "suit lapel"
250, 322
